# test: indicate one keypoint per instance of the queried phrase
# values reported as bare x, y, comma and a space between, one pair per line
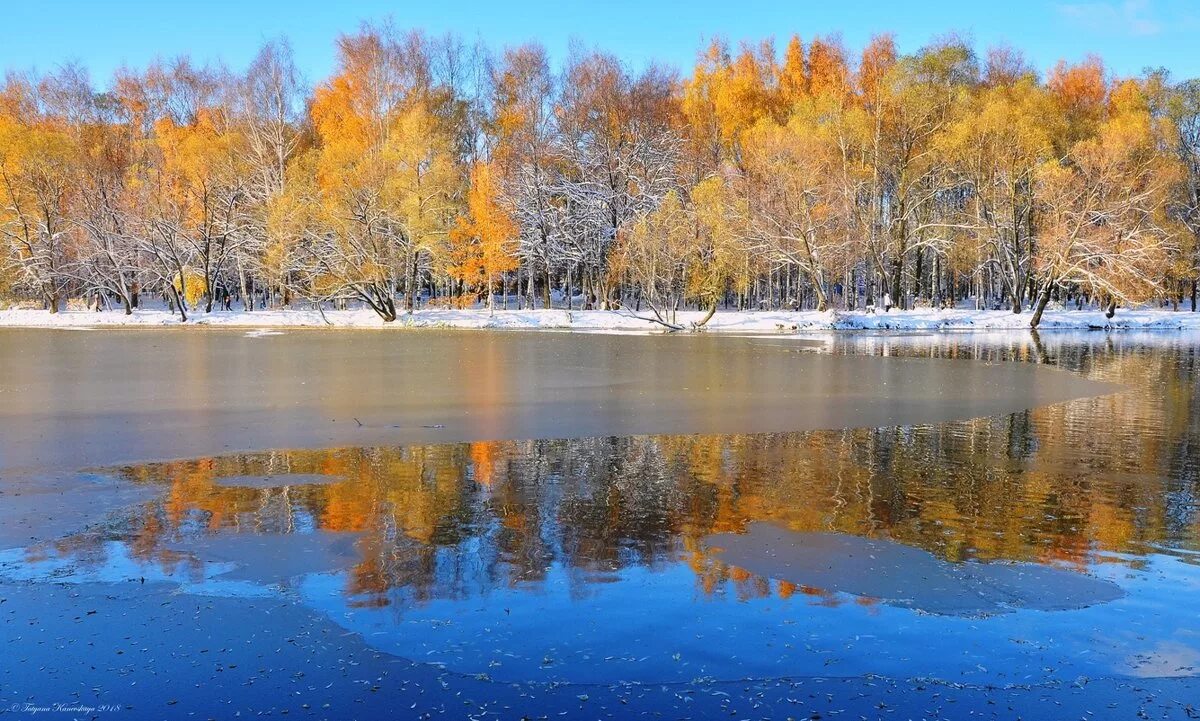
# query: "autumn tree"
920, 97
617, 158
1183, 114
37, 163
485, 235
995, 150
522, 127
424, 166
653, 257
192, 193
268, 107
385, 174
1102, 221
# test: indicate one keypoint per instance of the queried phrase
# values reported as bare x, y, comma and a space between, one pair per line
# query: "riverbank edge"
619, 320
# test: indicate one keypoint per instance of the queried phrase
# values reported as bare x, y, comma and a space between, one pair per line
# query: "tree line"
427, 171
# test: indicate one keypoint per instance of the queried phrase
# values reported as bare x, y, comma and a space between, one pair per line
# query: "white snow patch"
267, 322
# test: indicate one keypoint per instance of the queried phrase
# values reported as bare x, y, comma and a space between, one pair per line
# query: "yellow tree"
797, 170
725, 97
793, 79
652, 257
385, 174
201, 203
355, 248
919, 97
994, 150
1101, 219
485, 236
420, 186
37, 164
719, 256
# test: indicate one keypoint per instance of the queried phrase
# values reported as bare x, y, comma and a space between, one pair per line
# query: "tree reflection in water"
1096, 480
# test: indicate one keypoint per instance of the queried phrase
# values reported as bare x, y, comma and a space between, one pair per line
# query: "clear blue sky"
104, 34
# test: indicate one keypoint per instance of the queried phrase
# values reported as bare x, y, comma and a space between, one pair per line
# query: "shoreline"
782, 322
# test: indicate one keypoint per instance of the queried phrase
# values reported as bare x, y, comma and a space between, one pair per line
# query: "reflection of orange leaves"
191, 483
148, 537
348, 507
514, 520
333, 465
368, 578
1112, 527
484, 456
827, 600
785, 589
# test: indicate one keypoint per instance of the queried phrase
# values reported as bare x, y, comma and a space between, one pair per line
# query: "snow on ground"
599, 320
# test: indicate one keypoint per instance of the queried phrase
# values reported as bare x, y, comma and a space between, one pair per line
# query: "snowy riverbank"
747, 321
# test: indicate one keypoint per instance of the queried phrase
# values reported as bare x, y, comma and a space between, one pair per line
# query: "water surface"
1011, 513
80, 398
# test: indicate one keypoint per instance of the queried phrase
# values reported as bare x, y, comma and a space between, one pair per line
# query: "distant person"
887, 302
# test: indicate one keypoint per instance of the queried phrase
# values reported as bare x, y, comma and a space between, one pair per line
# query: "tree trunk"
529, 286
1043, 299
712, 309
410, 298
1112, 308
569, 289
897, 273
178, 298
822, 303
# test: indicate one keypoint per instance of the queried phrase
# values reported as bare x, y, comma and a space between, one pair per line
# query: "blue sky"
104, 34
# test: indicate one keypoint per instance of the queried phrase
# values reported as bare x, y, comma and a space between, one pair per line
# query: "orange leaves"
828, 72
725, 97
1079, 87
485, 457
794, 74
194, 157
1102, 210
878, 58
482, 242
345, 135
1080, 91
521, 98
